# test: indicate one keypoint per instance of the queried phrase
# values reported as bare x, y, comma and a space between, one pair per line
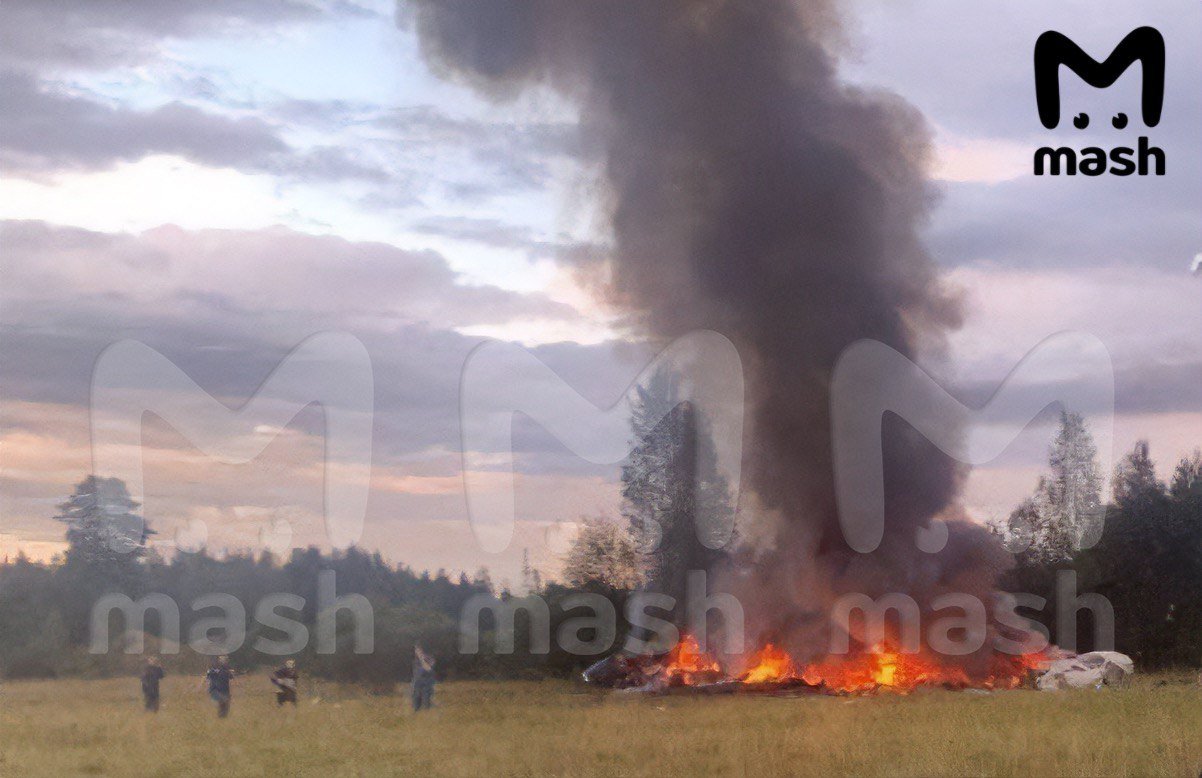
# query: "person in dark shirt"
218, 678
285, 679
151, 675
423, 679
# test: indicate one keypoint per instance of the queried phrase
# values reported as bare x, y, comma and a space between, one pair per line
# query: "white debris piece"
1096, 669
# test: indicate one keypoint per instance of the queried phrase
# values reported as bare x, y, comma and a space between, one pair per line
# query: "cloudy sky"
221, 180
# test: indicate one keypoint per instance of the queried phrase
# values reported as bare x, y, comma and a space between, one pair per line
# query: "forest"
1146, 564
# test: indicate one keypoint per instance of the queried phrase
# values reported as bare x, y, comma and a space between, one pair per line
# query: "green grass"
558, 728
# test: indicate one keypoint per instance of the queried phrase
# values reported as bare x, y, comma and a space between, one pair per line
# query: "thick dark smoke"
754, 194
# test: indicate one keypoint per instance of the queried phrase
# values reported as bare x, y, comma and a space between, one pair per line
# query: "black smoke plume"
754, 194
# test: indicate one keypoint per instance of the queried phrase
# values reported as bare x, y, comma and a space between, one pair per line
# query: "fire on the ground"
879, 669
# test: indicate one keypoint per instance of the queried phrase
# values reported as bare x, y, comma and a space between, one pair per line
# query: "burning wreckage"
772, 671
752, 193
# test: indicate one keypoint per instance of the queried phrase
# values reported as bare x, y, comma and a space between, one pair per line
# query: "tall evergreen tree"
670, 475
1187, 478
1066, 500
102, 520
1139, 565
1074, 488
106, 538
1135, 481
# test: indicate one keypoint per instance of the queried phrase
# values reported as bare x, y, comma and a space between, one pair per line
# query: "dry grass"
518, 728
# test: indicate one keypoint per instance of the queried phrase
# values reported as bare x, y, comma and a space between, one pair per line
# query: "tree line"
1141, 550
1146, 562
46, 609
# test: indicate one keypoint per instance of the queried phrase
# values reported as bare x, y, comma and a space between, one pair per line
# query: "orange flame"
770, 664
880, 668
687, 664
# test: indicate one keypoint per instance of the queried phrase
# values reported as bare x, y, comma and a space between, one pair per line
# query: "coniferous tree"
1136, 565
106, 539
670, 478
102, 521
1074, 488
1066, 501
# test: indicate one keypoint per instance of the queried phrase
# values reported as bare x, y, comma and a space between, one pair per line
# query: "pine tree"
1140, 565
102, 521
106, 539
1074, 490
670, 475
1067, 500
1187, 478
1135, 483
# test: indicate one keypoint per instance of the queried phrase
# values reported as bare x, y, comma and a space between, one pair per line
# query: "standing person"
423, 679
218, 678
151, 675
285, 679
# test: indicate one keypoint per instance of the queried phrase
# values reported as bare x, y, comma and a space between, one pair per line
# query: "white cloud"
269, 271
979, 160
1142, 315
155, 190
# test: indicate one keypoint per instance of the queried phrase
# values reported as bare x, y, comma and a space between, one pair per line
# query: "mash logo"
1053, 49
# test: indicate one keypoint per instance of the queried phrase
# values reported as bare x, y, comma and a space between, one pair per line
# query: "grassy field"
557, 728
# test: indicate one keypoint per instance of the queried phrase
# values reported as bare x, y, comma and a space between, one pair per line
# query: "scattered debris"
1094, 669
